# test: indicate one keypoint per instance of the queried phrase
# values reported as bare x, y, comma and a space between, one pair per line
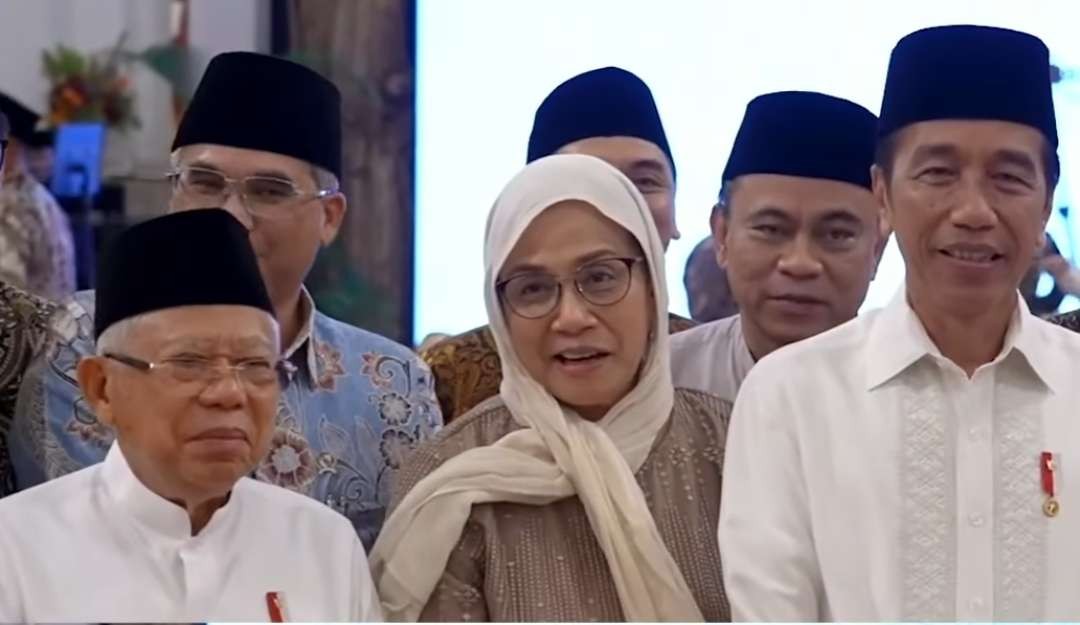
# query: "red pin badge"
1047, 470
275, 605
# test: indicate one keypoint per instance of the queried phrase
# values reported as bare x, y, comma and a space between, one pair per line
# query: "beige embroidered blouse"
518, 562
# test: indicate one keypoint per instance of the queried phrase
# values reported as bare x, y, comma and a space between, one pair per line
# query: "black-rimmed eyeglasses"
602, 282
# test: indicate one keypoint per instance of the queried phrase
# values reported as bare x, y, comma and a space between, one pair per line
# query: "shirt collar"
302, 350
1034, 340
150, 510
898, 340
742, 351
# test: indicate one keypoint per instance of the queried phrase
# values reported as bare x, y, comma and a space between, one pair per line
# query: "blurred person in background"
24, 323
40, 156
707, 290
37, 252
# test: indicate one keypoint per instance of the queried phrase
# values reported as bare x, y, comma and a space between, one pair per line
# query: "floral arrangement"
89, 87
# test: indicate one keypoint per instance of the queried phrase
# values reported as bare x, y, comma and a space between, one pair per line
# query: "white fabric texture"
869, 478
98, 546
712, 357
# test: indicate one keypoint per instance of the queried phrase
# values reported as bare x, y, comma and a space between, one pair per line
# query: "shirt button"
976, 604
976, 520
977, 433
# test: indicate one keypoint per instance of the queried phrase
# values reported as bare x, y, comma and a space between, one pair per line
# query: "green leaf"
172, 63
63, 63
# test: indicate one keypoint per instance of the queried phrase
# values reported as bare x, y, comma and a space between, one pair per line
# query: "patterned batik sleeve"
55, 432
439, 358
23, 330
409, 413
430, 417
14, 248
61, 248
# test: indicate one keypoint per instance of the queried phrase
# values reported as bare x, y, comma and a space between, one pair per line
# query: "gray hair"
117, 337
723, 201
324, 180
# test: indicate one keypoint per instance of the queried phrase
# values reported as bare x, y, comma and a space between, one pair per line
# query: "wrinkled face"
646, 166
586, 355
186, 438
799, 254
969, 203
287, 239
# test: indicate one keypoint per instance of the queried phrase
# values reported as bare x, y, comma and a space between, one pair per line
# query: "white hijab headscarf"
557, 454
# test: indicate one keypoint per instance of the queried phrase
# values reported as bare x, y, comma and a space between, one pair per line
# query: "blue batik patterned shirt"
356, 406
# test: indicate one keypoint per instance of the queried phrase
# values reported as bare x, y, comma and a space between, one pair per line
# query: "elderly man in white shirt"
168, 528
796, 229
922, 462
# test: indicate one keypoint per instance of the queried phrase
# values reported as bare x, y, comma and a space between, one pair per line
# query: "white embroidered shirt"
868, 478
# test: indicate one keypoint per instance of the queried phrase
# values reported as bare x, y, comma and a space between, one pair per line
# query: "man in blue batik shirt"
262, 138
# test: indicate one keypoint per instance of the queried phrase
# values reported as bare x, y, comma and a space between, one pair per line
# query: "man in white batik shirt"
922, 462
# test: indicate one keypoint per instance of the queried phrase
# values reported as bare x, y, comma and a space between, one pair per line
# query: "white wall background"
217, 26
484, 65
29, 26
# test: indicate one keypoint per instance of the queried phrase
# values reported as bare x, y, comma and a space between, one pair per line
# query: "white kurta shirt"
712, 358
98, 546
868, 478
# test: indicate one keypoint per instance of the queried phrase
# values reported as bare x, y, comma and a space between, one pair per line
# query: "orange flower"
73, 97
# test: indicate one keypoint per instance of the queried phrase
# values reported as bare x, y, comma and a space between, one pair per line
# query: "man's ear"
334, 209
720, 231
1040, 243
879, 186
93, 375
884, 232
880, 183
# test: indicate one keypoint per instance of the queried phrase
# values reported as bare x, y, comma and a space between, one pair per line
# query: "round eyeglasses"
601, 283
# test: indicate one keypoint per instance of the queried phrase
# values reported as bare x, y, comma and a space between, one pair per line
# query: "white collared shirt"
98, 546
868, 478
712, 358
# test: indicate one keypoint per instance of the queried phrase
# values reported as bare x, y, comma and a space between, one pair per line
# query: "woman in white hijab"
589, 488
